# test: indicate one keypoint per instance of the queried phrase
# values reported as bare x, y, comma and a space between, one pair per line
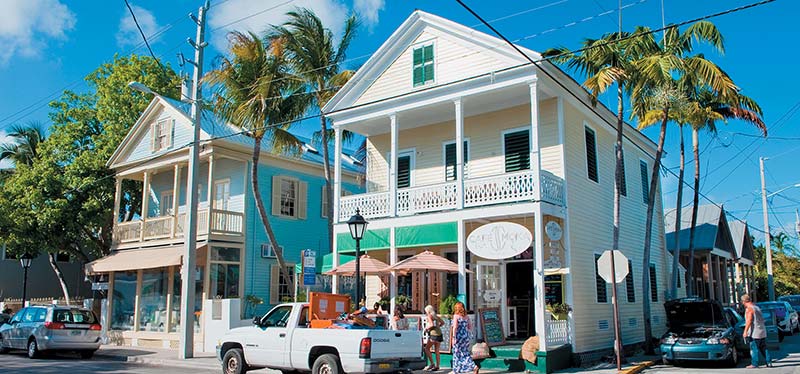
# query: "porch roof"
711, 230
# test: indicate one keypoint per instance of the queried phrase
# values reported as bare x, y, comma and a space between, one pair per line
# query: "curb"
635, 369
160, 362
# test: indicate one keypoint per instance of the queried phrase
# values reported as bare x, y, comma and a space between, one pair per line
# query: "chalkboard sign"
492, 326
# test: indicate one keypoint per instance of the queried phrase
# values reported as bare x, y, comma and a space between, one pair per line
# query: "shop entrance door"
490, 288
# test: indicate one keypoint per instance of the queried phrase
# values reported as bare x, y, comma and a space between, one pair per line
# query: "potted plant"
446, 305
403, 301
558, 310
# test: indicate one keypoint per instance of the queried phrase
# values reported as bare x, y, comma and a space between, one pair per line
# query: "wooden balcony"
221, 222
485, 191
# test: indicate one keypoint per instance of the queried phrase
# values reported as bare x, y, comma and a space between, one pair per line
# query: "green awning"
405, 237
373, 240
422, 235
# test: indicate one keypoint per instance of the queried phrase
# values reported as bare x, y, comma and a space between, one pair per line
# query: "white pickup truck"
282, 340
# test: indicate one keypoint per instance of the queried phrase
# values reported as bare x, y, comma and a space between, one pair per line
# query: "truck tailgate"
395, 344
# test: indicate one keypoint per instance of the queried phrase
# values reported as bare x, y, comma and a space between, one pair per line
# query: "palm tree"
255, 91
24, 146
316, 59
707, 108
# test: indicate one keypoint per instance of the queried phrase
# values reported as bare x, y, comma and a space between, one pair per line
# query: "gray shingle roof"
711, 229
741, 239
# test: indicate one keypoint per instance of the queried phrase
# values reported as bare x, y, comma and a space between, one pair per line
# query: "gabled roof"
742, 239
711, 229
214, 129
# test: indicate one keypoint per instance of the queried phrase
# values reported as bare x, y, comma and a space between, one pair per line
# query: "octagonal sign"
604, 266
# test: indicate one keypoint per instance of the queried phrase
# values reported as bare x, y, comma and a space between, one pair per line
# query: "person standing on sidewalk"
755, 333
460, 333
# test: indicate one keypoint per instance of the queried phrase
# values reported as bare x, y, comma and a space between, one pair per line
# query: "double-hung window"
165, 204
450, 172
516, 147
280, 288
423, 64
289, 197
222, 194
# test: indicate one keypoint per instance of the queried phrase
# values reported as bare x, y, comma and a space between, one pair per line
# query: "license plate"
384, 366
75, 333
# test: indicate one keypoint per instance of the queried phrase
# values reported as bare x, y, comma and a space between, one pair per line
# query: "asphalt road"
17, 362
785, 361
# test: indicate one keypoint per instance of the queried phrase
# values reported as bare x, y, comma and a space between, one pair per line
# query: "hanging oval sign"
499, 240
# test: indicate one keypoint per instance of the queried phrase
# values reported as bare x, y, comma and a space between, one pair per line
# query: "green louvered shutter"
403, 171
517, 151
423, 65
450, 160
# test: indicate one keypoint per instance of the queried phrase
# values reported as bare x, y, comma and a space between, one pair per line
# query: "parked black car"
698, 330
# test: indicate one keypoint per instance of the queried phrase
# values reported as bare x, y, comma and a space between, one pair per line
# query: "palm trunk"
615, 235
695, 204
60, 276
676, 251
262, 212
648, 235
326, 168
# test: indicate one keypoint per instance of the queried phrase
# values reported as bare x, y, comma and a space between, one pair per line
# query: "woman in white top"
399, 321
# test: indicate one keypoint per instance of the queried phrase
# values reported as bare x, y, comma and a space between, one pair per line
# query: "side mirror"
257, 321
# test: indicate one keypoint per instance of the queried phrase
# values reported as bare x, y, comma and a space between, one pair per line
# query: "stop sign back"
620, 266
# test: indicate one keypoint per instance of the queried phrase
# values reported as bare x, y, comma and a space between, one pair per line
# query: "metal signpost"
309, 270
613, 268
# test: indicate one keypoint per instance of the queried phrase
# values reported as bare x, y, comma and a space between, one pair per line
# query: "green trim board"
405, 237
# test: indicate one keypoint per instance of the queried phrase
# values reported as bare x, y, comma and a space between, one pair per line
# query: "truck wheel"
233, 362
327, 364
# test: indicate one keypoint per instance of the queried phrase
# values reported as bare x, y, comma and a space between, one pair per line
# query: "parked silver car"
51, 328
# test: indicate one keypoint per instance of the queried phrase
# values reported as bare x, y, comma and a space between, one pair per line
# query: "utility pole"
190, 252
767, 244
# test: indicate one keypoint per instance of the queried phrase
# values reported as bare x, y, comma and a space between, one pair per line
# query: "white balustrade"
557, 332
158, 227
226, 222
371, 205
552, 188
499, 189
128, 231
423, 199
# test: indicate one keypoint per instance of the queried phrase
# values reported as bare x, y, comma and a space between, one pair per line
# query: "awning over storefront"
135, 259
373, 240
405, 237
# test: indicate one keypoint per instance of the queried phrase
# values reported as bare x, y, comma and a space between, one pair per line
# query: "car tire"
734, 359
781, 335
33, 349
87, 354
233, 362
327, 364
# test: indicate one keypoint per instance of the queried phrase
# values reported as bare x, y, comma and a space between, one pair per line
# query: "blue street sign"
309, 267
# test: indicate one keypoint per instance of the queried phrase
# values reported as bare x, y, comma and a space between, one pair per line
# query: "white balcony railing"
226, 222
427, 198
496, 189
557, 332
158, 227
126, 232
223, 222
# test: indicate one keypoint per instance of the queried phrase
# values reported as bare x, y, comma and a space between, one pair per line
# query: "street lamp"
767, 244
357, 225
136, 86
25, 261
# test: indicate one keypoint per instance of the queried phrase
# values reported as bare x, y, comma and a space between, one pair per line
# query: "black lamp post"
25, 261
357, 225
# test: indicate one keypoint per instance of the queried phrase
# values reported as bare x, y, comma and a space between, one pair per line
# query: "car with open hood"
698, 330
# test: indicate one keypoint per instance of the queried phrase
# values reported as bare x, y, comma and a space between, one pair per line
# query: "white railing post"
176, 187
459, 154
145, 203
337, 173
393, 167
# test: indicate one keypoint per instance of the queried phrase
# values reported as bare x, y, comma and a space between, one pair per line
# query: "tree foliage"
785, 268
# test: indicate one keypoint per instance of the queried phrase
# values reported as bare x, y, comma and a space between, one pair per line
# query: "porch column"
393, 166
709, 270
393, 275
170, 297
462, 260
538, 279
459, 155
334, 264
337, 172
210, 198
535, 160
732, 282
145, 202
176, 190
720, 279
117, 199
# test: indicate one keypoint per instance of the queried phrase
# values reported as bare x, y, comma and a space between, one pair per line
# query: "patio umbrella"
369, 266
425, 261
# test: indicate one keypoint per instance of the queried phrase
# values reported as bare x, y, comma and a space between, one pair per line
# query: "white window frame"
587, 125
466, 158
240, 263
166, 197
290, 269
412, 164
503, 144
296, 183
435, 61
227, 199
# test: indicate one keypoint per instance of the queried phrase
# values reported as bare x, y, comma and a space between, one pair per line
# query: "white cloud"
128, 34
26, 25
4, 138
331, 12
368, 10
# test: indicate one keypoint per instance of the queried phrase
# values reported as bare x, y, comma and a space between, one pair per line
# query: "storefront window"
224, 272
176, 299
153, 300
123, 301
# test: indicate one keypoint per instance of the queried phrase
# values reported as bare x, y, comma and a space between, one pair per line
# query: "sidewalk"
157, 357
634, 365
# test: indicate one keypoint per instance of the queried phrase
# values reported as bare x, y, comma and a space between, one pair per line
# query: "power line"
253, 15
144, 38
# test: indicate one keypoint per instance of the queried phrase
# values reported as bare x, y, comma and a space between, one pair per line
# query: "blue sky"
50, 45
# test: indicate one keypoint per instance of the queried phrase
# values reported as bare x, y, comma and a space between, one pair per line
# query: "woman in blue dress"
461, 327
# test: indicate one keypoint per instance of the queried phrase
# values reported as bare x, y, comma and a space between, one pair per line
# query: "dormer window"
161, 135
423, 64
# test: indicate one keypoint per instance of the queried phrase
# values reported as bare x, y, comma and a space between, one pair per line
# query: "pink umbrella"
369, 266
425, 261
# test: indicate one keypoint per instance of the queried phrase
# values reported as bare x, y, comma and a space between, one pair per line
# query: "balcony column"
393, 166
210, 198
117, 199
176, 186
145, 203
334, 264
337, 172
459, 154
535, 160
